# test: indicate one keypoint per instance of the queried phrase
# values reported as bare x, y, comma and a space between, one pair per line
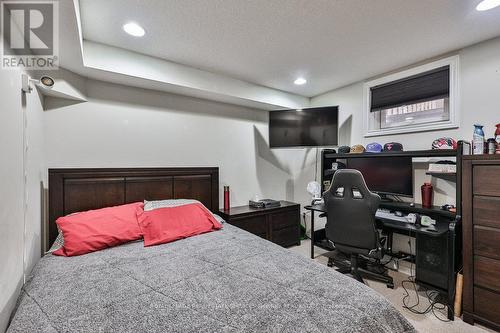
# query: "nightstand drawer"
280, 225
283, 220
255, 224
286, 237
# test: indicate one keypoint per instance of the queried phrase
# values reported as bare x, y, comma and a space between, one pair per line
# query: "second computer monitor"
386, 175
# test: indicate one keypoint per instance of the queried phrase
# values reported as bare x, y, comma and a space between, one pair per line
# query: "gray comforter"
227, 280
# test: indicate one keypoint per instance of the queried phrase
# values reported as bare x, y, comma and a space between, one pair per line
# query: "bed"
223, 281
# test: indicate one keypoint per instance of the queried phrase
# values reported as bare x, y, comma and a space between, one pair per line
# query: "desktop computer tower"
432, 261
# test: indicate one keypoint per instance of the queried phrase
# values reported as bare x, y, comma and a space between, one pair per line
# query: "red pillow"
98, 229
167, 224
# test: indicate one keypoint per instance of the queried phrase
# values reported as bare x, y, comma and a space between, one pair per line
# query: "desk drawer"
486, 304
255, 224
486, 180
487, 242
487, 211
487, 273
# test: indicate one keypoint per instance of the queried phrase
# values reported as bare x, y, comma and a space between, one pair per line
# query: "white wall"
36, 177
11, 192
121, 126
19, 241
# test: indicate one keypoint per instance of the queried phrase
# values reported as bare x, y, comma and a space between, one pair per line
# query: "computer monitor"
386, 175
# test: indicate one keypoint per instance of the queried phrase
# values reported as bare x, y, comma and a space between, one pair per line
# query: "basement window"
429, 112
420, 99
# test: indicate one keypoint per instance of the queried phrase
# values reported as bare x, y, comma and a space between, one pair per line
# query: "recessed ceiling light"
134, 29
300, 81
487, 5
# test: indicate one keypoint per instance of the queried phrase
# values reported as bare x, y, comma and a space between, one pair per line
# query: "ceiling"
331, 43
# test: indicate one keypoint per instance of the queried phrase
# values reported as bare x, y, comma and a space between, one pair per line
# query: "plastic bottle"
497, 138
478, 140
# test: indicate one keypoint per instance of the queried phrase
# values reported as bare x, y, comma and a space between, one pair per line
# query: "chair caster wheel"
390, 285
330, 263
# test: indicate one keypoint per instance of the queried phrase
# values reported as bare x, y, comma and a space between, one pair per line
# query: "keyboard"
385, 214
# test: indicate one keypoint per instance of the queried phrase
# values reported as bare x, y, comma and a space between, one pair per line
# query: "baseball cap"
357, 149
344, 149
393, 146
444, 143
374, 147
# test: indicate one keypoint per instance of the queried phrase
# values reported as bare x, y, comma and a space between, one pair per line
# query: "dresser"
280, 225
481, 239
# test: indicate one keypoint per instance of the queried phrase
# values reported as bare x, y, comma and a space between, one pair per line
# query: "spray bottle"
497, 138
478, 140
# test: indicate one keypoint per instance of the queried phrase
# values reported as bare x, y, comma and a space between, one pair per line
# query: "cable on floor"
432, 296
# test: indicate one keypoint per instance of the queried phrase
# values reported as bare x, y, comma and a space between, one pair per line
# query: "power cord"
396, 261
316, 166
432, 296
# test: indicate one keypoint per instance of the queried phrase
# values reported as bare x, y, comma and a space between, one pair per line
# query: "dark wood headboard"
75, 190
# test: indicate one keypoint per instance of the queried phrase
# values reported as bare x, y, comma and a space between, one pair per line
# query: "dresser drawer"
487, 273
487, 304
487, 211
487, 242
255, 224
283, 220
486, 180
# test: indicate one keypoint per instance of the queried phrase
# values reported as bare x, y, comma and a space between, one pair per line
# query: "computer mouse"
412, 204
398, 213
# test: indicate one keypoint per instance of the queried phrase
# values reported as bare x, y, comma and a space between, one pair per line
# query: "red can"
226, 198
427, 194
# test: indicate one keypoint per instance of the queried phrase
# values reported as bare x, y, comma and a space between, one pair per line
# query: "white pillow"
58, 243
151, 205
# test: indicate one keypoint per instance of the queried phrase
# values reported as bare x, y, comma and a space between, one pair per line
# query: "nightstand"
280, 225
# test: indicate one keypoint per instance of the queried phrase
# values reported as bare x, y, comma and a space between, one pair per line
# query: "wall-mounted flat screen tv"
312, 127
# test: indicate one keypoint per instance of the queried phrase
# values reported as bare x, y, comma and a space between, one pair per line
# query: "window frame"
454, 99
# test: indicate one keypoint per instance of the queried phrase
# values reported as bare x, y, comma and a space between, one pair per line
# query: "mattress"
223, 281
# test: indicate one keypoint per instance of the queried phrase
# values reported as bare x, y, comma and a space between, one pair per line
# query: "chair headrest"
349, 179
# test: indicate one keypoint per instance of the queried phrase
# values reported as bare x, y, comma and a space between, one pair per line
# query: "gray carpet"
223, 281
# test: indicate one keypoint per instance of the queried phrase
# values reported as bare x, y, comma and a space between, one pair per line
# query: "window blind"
422, 87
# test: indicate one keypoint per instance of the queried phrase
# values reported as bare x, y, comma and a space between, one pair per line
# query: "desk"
437, 242
437, 230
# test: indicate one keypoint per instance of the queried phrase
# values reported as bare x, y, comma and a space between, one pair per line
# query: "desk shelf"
409, 153
450, 176
405, 207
